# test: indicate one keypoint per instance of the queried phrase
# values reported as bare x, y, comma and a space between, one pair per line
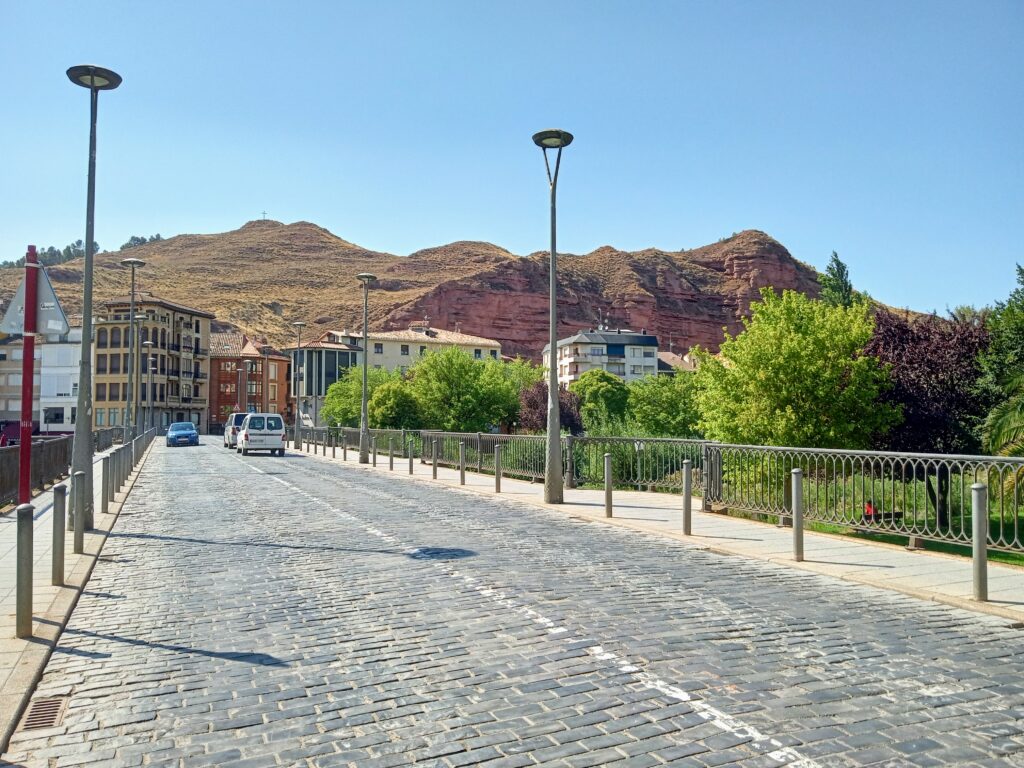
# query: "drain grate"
44, 713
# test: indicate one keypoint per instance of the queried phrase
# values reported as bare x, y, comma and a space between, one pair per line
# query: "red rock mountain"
265, 275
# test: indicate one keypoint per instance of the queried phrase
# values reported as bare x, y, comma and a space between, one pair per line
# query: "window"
228, 366
477, 354
273, 370
596, 351
163, 396
378, 349
100, 413
636, 352
255, 422
648, 353
115, 391
274, 422
112, 413
74, 414
115, 337
423, 351
101, 338
405, 349
494, 354
115, 364
226, 388
53, 415
273, 390
101, 363
101, 392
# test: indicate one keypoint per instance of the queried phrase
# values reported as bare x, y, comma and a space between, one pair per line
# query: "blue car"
182, 433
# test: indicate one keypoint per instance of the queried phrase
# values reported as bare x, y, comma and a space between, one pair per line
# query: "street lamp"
298, 325
149, 391
553, 139
129, 421
364, 429
96, 79
265, 349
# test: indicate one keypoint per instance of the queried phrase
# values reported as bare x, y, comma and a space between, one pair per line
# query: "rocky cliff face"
265, 275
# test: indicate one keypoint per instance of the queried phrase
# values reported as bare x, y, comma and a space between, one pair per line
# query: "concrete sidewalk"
926, 575
22, 660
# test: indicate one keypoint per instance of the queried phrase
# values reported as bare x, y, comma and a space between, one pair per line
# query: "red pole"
27, 371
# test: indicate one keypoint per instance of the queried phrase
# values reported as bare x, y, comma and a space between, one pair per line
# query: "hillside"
261, 277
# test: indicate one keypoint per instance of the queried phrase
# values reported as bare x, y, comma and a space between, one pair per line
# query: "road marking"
494, 593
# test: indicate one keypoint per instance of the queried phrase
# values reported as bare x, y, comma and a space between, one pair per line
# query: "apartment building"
248, 375
59, 370
177, 387
12, 351
393, 350
623, 353
319, 363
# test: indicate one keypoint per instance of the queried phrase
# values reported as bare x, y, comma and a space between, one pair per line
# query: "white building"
58, 386
623, 353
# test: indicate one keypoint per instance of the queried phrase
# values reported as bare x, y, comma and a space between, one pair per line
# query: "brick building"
248, 375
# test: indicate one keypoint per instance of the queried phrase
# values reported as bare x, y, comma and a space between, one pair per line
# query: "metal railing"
644, 464
521, 455
926, 496
102, 439
51, 458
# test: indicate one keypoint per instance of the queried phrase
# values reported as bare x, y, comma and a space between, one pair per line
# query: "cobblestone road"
256, 611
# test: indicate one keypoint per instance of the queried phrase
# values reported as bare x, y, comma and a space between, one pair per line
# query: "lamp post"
553, 139
129, 417
135, 402
298, 324
96, 79
265, 383
148, 421
364, 429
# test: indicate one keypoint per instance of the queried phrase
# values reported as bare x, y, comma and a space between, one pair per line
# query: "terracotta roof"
435, 335
232, 341
252, 349
321, 344
143, 298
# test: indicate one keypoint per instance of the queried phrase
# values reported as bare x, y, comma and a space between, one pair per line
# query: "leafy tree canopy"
136, 240
1004, 358
602, 395
533, 409
50, 256
796, 375
343, 402
393, 406
664, 406
836, 288
452, 393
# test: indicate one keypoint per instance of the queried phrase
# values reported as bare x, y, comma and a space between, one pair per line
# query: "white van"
261, 432
231, 429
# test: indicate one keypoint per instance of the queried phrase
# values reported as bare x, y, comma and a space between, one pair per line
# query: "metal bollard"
607, 485
79, 544
334, 446
462, 462
105, 489
479, 454
410, 456
373, 445
798, 515
60, 502
391, 453
570, 463
69, 525
433, 458
979, 544
344, 448
111, 464
687, 498
497, 468
23, 620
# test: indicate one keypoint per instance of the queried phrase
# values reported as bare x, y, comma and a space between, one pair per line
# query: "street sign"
51, 319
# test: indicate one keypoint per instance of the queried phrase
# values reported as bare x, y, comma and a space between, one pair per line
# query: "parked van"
261, 432
231, 427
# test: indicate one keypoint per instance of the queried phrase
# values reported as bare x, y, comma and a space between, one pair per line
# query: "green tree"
836, 288
602, 395
451, 394
796, 375
393, 406
137, 240
502, 385
343, 402
664, 406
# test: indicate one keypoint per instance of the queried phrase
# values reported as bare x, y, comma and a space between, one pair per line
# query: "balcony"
174, 347
202, 351
199, 375
173, 374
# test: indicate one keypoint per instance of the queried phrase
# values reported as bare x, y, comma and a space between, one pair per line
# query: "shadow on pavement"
260, 659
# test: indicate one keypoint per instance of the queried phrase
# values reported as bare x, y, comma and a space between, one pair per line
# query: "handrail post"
391, 453
410, 453
979, 543
462, 462
607, 485
334, 446
479, 454
79, 486
687, 499
23, 598
433, 458
344, 447
60, 502
497, 468
570, 462
798, 514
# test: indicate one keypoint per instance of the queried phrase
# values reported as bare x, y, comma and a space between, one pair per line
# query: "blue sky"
890, 132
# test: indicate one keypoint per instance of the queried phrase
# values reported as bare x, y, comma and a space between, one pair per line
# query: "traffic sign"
50, 320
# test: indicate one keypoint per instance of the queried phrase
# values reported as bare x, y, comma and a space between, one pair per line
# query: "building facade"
175, 385
321, 361
12, 351
623, 353
59, 370
247, 376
